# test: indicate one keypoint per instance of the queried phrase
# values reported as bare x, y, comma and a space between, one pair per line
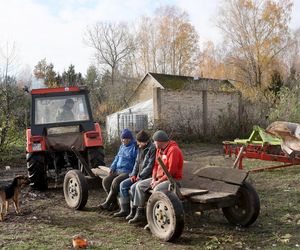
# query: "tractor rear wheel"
96, 156
36, 167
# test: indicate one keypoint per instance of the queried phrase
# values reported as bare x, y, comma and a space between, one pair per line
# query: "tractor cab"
61, 107
61, 118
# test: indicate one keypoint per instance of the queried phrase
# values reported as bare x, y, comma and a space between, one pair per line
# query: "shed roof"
171, 81
176, 82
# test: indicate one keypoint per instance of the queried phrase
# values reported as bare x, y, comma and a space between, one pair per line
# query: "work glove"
133, 179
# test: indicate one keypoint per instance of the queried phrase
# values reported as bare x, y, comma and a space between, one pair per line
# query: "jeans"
142, 187
125, 186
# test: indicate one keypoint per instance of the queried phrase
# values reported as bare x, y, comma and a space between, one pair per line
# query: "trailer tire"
96, 156
165, 215
75, 189
36, 168
247, 209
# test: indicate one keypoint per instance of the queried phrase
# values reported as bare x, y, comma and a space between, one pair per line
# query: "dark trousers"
111, 184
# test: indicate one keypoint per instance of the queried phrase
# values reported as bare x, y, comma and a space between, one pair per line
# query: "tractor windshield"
60, 109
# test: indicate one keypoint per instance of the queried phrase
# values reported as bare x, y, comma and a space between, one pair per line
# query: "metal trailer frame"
262, 146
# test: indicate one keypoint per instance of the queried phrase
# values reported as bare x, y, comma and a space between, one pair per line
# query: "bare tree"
178, 40
8, 57
8, 91
292, 56
147, 41
113, 44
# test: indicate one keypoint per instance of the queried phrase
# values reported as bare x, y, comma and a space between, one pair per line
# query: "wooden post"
157, 103
239, 157
240, 109
173, 186
204, 114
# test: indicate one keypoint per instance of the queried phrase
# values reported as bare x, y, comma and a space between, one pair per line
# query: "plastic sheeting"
137, 117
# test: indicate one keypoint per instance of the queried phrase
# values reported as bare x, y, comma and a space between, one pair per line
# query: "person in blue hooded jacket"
142, 170
120, 169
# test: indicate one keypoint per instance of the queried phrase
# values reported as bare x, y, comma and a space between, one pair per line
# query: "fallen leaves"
291, 219
285, 238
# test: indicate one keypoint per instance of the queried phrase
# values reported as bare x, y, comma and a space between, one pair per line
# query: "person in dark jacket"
142, 170
172, 157
119, 170
65, 113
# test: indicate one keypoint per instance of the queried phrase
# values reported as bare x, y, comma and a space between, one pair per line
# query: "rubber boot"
124, 207
147, 228
140, 216
132, 212
110, 202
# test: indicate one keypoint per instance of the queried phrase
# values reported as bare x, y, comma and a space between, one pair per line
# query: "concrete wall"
221, 102
199, 111
195, 109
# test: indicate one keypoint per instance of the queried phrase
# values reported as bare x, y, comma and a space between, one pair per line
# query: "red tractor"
61, 126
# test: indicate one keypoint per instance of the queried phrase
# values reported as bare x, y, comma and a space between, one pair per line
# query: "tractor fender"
93, 138
34, 143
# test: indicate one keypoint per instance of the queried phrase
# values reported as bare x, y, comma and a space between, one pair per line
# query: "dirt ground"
47, 223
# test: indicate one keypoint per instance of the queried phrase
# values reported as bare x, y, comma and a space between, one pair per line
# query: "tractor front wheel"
36, 167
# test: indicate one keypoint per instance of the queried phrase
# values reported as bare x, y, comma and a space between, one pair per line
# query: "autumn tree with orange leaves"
210, 62
256, 34
168, 42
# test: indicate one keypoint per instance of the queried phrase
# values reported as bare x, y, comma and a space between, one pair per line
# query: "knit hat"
161, 136
142, 136
126, 134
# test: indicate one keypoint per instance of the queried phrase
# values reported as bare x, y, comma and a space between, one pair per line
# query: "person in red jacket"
172, 157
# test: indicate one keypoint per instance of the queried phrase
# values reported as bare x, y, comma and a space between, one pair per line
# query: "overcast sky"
53, 29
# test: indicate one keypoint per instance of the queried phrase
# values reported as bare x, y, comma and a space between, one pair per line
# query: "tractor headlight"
36, 146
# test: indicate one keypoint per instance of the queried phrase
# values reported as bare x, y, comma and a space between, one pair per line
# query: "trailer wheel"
246, 210
165, 215
36, 168
75, 189
96, 156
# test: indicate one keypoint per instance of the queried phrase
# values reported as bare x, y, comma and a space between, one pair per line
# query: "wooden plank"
105, 169
219, 186
187, 192
230, 175
101, 171
189, 167
211, 185
212, 197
